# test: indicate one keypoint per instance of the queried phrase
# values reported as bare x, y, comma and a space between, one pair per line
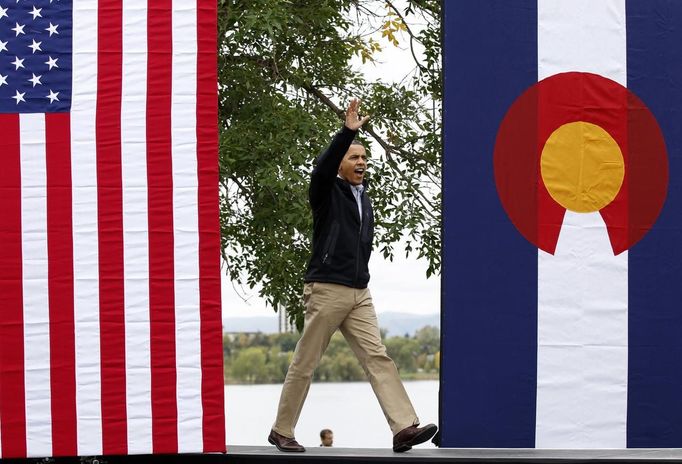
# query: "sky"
398, 286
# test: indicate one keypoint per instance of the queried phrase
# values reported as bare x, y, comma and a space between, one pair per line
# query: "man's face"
354, 164
328, 439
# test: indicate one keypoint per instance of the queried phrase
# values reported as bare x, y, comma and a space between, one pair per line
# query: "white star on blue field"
35, 56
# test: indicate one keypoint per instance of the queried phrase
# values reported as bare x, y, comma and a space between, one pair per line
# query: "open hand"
353, 120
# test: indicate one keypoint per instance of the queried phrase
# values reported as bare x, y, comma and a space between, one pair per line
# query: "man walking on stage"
336, 294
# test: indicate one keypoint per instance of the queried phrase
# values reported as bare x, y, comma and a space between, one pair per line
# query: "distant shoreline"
258, 358
394, 323
419, 377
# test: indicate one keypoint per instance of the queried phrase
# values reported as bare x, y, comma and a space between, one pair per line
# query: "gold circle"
582, 167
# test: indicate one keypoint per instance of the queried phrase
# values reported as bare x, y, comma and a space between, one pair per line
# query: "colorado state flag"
562, 261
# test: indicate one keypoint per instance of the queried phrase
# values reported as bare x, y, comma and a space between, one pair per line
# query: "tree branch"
435, 13
342, 114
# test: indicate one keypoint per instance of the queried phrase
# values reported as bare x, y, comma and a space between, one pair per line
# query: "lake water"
349, 409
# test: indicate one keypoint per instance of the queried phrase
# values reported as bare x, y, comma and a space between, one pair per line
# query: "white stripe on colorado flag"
582, 289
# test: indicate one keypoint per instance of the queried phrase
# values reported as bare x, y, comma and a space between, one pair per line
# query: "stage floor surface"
268, 454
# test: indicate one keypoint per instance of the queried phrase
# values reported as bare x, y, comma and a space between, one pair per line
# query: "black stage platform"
268, 454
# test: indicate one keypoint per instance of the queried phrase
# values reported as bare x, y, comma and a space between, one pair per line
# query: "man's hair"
357, 142
324, 432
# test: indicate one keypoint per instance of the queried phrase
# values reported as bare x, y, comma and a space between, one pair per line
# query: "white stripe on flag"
35, 287
85, 238
186, 225
135, 225
582, 289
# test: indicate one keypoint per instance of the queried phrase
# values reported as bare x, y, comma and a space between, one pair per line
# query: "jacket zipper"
357, 258
357, 248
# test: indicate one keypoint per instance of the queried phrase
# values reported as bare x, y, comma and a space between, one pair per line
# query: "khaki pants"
330, 307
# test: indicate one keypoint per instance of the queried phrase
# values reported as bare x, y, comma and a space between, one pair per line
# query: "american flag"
110, 328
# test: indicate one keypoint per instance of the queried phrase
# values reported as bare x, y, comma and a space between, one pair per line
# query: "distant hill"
265, 324
394, 323
406, 323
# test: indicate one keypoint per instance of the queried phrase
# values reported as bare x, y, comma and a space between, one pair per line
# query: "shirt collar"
358, 188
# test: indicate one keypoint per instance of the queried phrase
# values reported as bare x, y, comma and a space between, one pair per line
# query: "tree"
403, 351
339, 364
249, 367
346, 368
286, 341
428, 338
285, 72
277, 365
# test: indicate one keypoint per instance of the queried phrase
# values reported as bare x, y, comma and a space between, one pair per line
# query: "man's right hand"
353, 120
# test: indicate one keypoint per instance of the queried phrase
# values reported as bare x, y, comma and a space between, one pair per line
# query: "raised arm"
327, 165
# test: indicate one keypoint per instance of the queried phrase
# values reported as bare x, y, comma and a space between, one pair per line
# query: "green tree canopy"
261, 358
428, 338
285, 72
249, 366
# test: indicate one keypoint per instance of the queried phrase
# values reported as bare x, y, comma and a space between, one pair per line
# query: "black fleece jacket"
342, 243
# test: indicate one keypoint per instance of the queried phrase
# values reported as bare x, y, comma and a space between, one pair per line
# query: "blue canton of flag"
35, 56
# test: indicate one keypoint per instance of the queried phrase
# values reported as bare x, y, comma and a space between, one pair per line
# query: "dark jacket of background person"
342, 244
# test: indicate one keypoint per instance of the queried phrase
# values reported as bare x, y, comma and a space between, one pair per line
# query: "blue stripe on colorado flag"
489, 283
655, 297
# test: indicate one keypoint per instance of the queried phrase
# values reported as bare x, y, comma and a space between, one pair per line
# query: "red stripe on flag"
12, 396
110, 224
60, 276
209, 230
161, 251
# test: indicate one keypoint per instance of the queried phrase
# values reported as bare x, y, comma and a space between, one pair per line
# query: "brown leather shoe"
411, 436
284, 443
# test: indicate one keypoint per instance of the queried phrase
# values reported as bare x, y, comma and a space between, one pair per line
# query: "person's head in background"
326, 437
